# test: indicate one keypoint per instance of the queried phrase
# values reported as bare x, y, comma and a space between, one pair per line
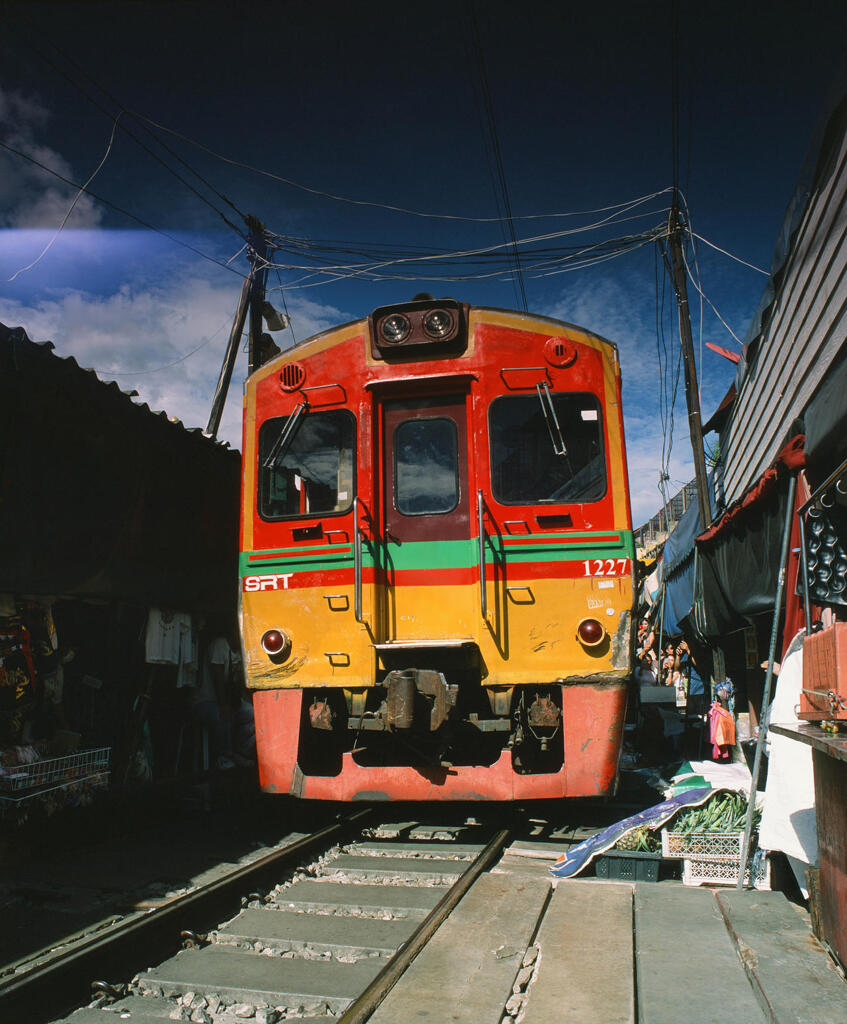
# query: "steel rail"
362, 1008
58, 986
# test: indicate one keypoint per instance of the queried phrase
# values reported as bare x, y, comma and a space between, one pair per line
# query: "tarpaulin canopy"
676, 570
739, 556
102, 498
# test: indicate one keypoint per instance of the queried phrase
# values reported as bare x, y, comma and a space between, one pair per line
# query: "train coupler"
412, 692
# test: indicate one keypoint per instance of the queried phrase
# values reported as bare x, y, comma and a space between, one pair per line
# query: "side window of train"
426, 467
528, 463
309, 470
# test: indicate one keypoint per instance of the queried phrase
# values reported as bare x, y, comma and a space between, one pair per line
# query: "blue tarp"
676, 569
580, 856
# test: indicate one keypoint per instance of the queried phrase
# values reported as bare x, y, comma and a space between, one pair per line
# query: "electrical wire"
167, 366
370, 203
118, 209
737, 259
456, 254
501, 185
285, 309
69, 78
71, 208
706, 297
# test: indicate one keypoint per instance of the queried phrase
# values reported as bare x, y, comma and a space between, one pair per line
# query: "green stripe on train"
448, 554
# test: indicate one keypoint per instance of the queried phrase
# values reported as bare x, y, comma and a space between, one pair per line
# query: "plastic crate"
711, 845
628, 866
706, 871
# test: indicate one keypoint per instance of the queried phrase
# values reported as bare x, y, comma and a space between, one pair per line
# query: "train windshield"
312, 472
526, 469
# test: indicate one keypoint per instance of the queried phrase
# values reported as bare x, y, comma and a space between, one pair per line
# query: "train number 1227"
606, 566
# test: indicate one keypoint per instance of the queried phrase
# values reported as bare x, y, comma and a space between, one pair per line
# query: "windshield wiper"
550, 417
286, 436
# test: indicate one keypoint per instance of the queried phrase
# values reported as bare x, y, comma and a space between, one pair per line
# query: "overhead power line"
501, 188
737, 259
118, 209
335, 197
123, 110
71, 208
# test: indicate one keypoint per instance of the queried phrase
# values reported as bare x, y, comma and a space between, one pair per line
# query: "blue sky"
376, 102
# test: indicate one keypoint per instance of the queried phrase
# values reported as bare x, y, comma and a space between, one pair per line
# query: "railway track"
327, 925
386, 923
53, 983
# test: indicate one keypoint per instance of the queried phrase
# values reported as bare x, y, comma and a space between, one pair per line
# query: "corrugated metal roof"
801, 325
18, 334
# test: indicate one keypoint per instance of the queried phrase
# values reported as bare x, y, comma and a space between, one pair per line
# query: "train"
437, 561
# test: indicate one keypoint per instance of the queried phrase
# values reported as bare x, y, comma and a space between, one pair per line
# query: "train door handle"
357, 563
483, 596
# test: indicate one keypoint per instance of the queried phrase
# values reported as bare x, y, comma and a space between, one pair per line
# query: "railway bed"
463, 923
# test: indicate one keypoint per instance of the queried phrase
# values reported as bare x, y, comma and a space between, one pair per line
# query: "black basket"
629, 866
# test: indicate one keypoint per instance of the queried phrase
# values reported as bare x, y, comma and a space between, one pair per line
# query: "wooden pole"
258, 253
692, 398
229, 362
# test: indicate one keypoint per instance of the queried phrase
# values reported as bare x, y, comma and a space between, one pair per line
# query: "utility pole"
229, 361
251, 300
257, 250
692, 398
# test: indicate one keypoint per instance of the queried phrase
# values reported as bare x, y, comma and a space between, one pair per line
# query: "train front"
437, 557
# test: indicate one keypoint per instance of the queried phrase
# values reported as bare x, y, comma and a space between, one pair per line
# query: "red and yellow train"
437, 559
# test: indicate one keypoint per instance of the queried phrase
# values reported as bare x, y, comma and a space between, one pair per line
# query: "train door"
430, 591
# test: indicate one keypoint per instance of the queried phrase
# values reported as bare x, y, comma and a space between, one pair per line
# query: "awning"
676, 570
738, 557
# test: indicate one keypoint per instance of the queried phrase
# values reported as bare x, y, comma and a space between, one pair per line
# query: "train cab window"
539, 455
309, 469
426, 466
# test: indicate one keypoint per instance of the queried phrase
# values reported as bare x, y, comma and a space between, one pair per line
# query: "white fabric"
163, 635
719, 776
788, 820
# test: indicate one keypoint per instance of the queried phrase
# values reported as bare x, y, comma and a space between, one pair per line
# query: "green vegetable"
723, 812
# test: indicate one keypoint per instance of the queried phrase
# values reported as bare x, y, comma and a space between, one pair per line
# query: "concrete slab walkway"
618, 953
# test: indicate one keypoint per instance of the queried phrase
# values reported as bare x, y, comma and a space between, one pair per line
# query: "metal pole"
766, 696
229, 362
691, 397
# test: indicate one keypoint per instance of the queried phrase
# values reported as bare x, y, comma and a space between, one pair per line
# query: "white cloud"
133, 335
622, 308
29, 196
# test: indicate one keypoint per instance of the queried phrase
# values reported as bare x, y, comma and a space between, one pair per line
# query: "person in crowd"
646, 638
722, 724
687, 665
669, 664
646, 670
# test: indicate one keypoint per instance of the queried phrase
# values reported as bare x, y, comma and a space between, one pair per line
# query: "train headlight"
590, 632
276, 644
438, 323
396, 328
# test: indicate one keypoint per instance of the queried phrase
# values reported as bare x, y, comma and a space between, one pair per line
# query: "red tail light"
590, 632
275, 643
